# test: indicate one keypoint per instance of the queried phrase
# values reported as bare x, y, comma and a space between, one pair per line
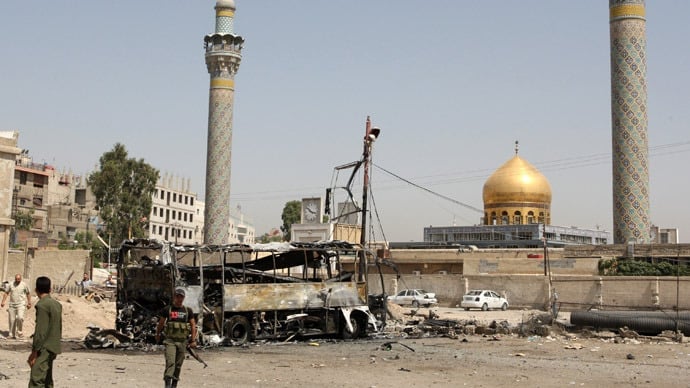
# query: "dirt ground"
382, 361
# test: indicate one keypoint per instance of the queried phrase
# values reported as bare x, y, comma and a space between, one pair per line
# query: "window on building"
541, 217
525, 236
530, 217
191, 218
80, 197
504, 218
191, 201
517, 218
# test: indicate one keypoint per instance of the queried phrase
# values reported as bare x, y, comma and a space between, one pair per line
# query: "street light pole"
370, 136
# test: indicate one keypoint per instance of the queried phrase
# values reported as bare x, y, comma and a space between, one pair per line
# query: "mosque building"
517, 214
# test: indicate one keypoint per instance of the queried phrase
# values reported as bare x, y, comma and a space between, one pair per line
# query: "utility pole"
371, 134
545, 250
109, 249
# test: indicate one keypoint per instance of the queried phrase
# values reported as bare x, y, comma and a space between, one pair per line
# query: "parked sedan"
483, 299
414, 297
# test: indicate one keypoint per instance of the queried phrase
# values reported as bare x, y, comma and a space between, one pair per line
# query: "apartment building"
241, 230
174, 211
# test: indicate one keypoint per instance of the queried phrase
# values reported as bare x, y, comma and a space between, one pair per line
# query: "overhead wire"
476, 174
558, 164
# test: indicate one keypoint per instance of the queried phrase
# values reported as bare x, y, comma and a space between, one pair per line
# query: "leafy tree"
291, 215
628, 267
24, 220
123, 188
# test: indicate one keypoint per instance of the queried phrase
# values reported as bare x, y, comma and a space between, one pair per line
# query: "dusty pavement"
472, 361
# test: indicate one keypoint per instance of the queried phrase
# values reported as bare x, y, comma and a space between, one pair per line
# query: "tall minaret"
223, 55
629, 120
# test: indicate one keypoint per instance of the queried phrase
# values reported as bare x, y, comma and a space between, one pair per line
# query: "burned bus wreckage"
243, 293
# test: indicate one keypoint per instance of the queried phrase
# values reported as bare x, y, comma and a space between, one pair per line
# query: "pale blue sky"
452, 84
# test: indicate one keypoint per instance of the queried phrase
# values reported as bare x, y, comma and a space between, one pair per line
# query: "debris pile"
97, 294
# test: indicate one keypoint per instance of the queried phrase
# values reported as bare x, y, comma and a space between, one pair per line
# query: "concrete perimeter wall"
563, 266
531, 291
56, 264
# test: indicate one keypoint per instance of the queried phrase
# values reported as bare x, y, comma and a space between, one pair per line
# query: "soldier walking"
47, 336
177, 322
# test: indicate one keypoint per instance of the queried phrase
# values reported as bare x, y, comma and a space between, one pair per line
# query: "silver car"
483, 299
414, 297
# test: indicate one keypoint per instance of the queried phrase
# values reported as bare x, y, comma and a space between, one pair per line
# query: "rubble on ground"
420, 323
423, 323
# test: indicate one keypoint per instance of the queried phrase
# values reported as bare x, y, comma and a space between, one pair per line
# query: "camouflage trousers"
174, 357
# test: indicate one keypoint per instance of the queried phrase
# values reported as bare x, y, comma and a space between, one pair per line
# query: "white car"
483, 299
414, 297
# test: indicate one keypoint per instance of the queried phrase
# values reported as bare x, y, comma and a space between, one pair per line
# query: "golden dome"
517, 181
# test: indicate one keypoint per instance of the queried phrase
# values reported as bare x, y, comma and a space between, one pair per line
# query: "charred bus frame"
247, 292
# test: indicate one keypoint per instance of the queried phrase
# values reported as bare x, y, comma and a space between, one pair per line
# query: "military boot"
168, 382
174, 384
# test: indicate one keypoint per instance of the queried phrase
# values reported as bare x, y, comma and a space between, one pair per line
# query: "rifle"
193, 353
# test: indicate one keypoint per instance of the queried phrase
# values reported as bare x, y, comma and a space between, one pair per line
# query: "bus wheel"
237, 329
356, 328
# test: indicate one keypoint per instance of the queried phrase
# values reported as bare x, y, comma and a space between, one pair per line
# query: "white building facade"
174, 212
178, 216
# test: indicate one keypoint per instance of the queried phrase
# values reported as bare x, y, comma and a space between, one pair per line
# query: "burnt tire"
467, 309
357, 329
504, 307
415, 304
485, 307
237, 330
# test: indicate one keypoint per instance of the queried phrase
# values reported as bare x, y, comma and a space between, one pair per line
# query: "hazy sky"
452, 84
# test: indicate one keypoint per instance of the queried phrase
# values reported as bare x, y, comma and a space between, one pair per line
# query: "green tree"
628, 267
24, 220
123, 188
291, 215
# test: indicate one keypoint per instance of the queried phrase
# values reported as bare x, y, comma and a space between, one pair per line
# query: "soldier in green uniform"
177, 322
47, 335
